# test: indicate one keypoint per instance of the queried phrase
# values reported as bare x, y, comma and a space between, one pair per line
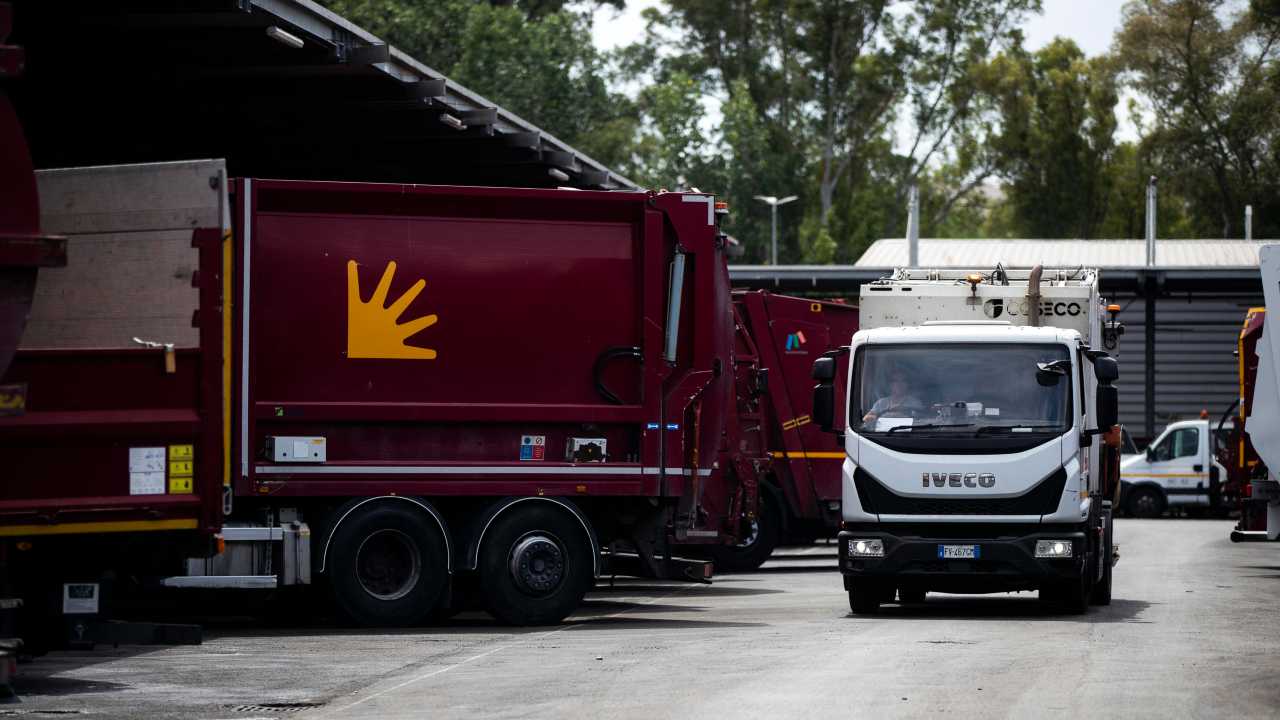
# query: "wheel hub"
537, 564
388, 564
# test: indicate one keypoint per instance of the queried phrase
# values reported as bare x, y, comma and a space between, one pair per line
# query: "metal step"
233, 582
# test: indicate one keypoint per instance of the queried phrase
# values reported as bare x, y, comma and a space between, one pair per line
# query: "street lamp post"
773, 202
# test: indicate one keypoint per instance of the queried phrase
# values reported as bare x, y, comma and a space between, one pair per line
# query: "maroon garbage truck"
412, 394
798, 476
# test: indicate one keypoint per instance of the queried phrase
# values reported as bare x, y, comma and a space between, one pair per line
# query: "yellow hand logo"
372, 330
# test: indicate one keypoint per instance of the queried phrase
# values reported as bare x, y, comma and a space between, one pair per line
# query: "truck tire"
388, 565
1102, 589
1071, 596
535, 565
865, 598
1101, 594
1145, 501
751, 553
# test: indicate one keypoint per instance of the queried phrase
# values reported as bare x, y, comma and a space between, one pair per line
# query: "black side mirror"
1151, 454
1046, 378
824, 369
824, 406
824, 393
1106, 369
1108, 407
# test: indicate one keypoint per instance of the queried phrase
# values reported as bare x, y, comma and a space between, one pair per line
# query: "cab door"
1180, 465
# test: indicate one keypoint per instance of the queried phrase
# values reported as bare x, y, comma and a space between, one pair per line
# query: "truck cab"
1178, 469
980, 436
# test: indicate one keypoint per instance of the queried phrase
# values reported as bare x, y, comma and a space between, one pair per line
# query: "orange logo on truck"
372, 328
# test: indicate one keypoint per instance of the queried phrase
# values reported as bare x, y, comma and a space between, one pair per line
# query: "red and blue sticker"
533, 447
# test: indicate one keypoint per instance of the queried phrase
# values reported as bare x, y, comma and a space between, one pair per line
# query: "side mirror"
1106, 369
1047, 378
824, 369
1151, 454
1108, 407
824, 405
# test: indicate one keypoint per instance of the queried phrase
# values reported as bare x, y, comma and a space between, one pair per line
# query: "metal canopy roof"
844, 280
1183, 266
154, 80
940, 253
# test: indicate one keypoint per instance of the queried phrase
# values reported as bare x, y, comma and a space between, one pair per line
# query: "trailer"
1260, 409
415, 395
24, 250
797, 466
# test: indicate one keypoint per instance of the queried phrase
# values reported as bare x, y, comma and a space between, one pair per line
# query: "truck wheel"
756, 548
1101, 594
1071, 596
1102, 590
1145, 502
535, 565
865, 598
388, 565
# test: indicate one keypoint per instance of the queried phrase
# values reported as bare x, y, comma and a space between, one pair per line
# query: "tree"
1054, 145
836, 81
533, 57
1209, 77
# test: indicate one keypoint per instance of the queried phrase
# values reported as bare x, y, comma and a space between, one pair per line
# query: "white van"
1177, 469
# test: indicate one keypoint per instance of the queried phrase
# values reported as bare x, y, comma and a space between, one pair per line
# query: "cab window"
1178, 444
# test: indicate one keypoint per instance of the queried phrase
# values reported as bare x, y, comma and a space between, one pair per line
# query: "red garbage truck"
797, 466
409, 393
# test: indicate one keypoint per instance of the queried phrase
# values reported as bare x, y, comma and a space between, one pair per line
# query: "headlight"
1053, 548
869, 547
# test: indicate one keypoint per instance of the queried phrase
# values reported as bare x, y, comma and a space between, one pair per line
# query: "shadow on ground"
1026, 605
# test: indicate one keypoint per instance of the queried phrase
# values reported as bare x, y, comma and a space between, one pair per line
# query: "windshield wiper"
986, 429
926, 426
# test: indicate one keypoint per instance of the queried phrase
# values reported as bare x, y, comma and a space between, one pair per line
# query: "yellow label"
179, 486
181, 468
181, 452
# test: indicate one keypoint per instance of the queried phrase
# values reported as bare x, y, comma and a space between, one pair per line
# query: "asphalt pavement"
1193, 631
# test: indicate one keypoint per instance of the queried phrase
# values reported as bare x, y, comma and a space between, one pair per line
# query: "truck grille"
1042, 499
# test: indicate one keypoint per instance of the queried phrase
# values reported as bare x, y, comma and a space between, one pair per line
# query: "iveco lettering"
980, 437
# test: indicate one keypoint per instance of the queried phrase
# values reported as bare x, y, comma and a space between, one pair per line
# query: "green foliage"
534, 57
847, 104
1209, 76
1055, 140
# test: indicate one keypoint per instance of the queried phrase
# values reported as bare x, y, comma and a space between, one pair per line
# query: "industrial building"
1181, 314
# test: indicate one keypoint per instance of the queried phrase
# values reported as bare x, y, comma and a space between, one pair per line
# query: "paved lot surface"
1194, 631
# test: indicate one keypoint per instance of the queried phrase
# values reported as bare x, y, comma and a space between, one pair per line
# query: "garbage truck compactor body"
419, 394
980, 437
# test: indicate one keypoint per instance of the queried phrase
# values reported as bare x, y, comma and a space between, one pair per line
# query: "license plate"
967, 552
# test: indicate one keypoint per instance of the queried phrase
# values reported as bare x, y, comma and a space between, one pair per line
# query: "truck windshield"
970, 388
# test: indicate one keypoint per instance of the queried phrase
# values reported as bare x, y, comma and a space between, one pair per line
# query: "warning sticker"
146, 483
146, 459
146, 470
533, 447
179, 486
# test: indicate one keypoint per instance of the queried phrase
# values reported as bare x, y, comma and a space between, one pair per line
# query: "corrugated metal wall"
1195, 365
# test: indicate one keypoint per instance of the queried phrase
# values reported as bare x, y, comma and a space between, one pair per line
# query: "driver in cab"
898, 403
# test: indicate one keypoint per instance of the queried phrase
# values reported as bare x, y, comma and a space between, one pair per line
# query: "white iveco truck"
980, 437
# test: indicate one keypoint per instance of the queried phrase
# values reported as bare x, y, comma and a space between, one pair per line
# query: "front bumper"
1006, 562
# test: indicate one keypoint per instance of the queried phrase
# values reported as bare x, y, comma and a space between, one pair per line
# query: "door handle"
1197, 468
